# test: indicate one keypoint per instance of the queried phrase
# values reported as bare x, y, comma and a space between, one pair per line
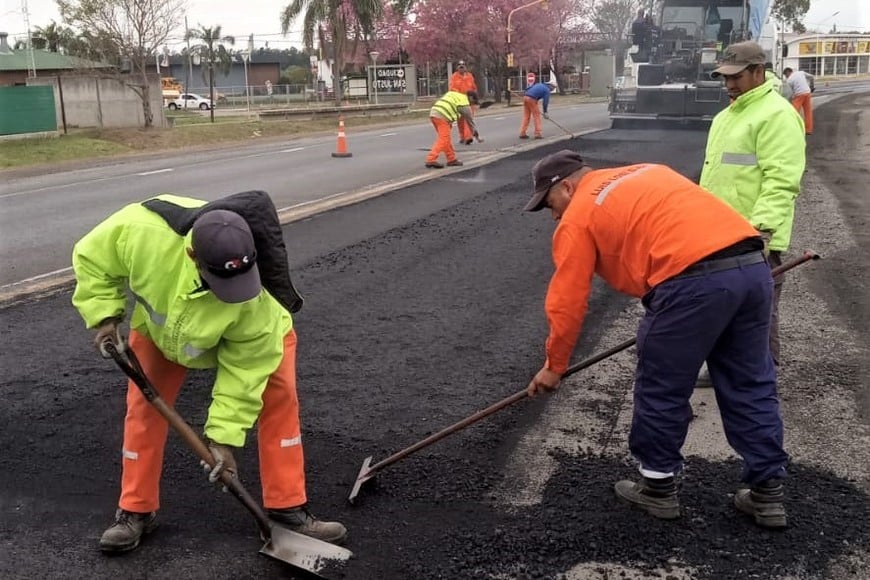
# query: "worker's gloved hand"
109, 331
544, 380
224, 460
765, 236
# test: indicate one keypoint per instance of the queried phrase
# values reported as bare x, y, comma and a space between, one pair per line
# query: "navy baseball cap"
226, 255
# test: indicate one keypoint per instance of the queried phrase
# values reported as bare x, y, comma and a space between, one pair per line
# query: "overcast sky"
240, 19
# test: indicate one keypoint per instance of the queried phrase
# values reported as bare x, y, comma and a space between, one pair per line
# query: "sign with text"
390, 78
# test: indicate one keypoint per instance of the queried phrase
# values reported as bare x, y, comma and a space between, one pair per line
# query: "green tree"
213, 53
332, 21
791, 12
135, 30
54, 38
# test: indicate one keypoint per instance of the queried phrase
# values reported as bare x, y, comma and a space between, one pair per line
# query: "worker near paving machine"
700, 270
538, 92
195, 273
754, 162
462, 81
447, 110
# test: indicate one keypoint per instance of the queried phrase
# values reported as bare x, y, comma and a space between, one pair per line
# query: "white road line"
167, 170
388, 135
35, 278
293, 150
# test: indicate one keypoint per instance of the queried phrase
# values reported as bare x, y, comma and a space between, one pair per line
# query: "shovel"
368, 471
298, 550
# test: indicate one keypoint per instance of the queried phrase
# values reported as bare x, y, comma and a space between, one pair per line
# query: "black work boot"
658, 497
302, 521
764, 503
127, 531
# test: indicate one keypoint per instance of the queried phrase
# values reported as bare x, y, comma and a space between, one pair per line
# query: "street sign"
390, 78
530, 79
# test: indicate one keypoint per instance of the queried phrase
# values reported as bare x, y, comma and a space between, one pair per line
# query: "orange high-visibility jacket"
462, 83
635, 226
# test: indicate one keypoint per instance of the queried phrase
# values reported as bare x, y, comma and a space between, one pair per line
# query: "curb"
45, 285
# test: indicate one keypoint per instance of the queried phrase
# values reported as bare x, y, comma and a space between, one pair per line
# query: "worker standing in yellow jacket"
446, 111
200, 304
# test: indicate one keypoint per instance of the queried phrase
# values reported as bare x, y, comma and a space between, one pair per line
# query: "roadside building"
829, 55
17, 65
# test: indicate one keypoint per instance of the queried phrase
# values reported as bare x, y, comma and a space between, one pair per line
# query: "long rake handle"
520, 395
506, 402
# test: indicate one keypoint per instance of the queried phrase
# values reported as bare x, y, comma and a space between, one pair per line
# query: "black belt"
711, 266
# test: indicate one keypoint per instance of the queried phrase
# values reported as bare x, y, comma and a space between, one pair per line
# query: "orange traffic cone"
342, 140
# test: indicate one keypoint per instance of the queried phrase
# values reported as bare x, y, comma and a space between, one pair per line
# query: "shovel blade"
303, 551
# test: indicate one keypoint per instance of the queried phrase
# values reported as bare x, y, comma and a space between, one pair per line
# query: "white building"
826, 55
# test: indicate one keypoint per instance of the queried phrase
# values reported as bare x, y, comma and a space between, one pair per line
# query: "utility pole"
189, 60
510, 54
31, 71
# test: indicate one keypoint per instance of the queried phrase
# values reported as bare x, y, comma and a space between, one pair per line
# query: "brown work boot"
302, 521
434, 165
658, 497
454, 163
764, 503
524, 136
127, 531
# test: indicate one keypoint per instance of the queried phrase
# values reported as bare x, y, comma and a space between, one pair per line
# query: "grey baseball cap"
226, 255
548, 172
738, 56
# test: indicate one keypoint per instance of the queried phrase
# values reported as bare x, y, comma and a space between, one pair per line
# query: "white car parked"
190, 101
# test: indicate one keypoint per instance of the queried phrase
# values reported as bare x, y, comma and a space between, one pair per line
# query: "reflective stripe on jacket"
756, 153
634, 226
188, 324
448, 106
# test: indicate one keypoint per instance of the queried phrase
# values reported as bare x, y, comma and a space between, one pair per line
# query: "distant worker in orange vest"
462, 81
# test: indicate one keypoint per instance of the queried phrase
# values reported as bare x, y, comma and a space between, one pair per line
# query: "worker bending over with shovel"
701, 272
446, 111
200, 303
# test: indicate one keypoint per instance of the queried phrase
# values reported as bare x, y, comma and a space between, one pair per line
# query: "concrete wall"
102, 102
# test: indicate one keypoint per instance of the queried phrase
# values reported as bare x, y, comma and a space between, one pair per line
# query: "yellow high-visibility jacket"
755, 159
135, 247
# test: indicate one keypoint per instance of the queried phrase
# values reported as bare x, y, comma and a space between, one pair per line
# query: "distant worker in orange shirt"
700, 270
462, 81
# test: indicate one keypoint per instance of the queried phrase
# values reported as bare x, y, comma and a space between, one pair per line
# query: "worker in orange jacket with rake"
446, 111
462, 81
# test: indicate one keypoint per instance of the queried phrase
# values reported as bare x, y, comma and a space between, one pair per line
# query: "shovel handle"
133, 370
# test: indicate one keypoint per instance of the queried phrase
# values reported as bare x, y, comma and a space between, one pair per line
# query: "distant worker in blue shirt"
536, 92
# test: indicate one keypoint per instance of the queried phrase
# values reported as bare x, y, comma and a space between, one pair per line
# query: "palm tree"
56, 38
340, 17
213, 52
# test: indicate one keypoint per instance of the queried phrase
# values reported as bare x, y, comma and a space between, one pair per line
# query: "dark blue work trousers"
723, 318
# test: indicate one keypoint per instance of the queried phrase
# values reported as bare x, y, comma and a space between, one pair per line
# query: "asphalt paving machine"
673, 52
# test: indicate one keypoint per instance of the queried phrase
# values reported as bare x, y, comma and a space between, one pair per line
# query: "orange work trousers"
442, 141
465, 132
531, 111
803, 104
282, 469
